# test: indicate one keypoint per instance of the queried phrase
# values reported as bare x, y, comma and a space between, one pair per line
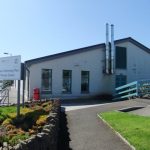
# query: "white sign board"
10, 68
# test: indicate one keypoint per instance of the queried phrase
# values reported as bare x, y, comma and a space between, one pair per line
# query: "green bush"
14, 140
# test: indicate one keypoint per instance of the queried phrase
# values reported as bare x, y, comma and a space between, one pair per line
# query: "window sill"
46, 92
85, 92
66, 92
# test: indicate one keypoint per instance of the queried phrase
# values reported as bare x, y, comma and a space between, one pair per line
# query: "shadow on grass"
64, 139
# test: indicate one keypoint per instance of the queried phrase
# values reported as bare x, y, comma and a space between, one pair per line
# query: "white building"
86, 72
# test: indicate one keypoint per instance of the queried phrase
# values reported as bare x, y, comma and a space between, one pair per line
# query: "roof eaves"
140, 45
63, 54
133, 41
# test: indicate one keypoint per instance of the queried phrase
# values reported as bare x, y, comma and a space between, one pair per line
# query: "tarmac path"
81, 129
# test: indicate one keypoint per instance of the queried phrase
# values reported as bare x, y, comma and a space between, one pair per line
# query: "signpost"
10, 69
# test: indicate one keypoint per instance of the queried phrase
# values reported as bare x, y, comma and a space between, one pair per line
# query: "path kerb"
117, 133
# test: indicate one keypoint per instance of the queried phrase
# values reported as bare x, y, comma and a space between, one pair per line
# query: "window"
121, 57
67, 77
46, 80
121, 80
84, 81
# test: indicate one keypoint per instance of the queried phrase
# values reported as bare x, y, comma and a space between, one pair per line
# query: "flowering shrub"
41, 120
30, 121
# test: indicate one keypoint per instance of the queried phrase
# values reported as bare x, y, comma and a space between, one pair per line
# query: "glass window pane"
67, 77
85, 81
121, 57
46, 79
121, 80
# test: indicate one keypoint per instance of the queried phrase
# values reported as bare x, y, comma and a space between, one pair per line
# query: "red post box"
36, 93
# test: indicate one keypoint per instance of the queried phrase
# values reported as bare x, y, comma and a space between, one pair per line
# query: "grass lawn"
4, 111
135, 129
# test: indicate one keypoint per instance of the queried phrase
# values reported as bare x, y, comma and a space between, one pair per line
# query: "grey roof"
133, 41
63, 54
84, 49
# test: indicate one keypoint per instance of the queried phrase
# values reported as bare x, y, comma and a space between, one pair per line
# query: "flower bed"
38, 121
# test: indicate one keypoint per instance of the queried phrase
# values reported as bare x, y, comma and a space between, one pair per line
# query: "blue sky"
36, 28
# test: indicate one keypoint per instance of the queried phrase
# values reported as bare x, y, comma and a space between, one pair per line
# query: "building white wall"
138, 62
92, 61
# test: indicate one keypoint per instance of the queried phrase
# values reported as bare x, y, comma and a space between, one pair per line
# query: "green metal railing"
133, 89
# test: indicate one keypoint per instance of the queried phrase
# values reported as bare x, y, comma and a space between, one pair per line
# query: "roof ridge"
87, 48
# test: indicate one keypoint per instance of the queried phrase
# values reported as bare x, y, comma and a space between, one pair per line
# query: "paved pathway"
71, 107
142, 112
87, 132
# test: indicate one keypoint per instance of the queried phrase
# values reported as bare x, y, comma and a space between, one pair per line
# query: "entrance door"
121, 80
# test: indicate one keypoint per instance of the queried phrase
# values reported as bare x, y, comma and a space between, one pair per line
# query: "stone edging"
47, 139
117, 133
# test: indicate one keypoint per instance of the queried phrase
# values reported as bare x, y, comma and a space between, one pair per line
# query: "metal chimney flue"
107, 49
112, 49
